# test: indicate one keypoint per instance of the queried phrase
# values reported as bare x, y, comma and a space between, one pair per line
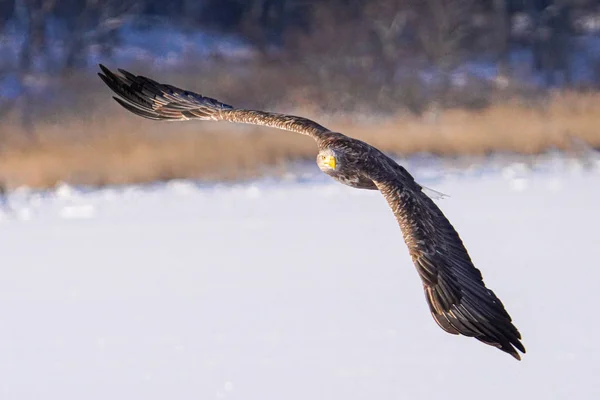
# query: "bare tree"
552, 43
502, 32
96, 22
32, 15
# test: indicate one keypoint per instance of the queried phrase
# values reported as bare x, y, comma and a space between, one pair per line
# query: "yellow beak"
330, 160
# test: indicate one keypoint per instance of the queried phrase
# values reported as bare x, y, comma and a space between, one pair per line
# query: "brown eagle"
454, 289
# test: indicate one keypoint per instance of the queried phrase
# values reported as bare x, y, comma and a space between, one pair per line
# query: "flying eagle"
454, 289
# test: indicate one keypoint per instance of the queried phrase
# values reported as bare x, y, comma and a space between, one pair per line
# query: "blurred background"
260, 277
446, 77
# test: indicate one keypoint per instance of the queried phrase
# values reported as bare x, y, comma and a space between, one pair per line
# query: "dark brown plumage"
454, 289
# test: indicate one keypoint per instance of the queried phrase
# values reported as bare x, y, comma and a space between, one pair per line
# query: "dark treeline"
439, 30
373, 49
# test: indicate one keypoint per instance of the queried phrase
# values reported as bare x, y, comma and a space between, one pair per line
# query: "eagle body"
458, 299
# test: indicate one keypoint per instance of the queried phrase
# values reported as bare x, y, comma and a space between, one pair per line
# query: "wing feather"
454, 289
150, 99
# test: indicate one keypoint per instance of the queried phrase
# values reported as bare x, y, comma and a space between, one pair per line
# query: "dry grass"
126, 149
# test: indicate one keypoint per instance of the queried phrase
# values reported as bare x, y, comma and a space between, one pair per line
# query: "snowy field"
293, 290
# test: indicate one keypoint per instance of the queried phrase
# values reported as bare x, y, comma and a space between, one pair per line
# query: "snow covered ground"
298, 289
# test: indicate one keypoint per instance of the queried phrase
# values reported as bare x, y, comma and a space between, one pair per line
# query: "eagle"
458, 299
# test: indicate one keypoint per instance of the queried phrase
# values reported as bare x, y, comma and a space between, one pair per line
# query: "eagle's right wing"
150, 99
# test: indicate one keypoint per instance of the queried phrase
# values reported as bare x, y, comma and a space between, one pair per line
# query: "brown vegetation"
123, 148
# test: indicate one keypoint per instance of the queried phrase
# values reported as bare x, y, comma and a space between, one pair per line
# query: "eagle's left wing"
457, 297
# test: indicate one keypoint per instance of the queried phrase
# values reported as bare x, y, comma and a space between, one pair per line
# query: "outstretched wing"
150, 99
457, 297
